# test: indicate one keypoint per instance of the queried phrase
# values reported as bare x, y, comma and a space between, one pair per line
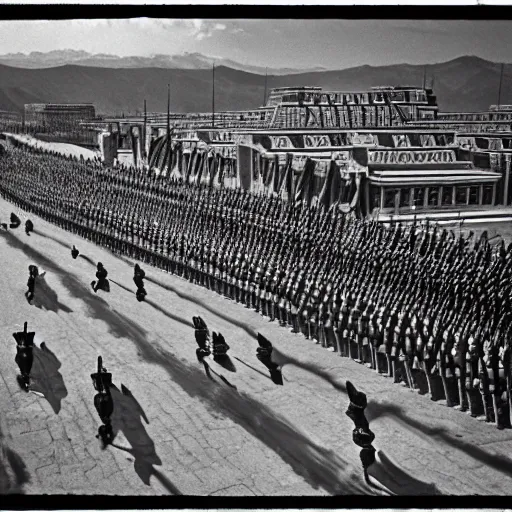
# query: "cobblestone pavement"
179, 431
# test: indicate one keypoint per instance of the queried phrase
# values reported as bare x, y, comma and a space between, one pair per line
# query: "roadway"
182, 432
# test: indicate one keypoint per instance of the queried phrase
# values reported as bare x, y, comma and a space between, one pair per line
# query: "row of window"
483, 116
357, 98
424, 197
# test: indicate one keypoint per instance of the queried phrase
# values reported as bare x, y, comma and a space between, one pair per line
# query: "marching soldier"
31, 283
102, 281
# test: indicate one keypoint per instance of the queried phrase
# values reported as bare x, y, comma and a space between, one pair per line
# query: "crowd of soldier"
419, 305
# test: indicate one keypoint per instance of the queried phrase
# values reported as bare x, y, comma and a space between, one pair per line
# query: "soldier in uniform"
29, 227
102, 281
102, 381
138, 279
31, 283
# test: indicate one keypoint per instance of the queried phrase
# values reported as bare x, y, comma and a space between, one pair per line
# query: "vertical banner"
245, 163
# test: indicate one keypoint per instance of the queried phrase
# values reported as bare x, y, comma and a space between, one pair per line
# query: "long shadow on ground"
13, 471
319, 466
127, 418
45, 377
246, 327
148, 301
49, 237
46, 298
185, 296
497, 462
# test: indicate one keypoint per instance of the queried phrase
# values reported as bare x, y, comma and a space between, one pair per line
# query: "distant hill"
56, 58
463, 84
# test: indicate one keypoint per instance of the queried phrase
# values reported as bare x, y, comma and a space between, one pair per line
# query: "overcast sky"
333, 44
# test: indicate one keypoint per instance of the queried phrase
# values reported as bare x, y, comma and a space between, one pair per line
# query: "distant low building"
58, 117
9, 120
6, 115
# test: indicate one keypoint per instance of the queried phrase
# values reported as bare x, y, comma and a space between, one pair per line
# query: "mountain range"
56, 58
464, 84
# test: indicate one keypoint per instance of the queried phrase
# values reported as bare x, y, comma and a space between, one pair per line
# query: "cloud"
198, 29
206, 28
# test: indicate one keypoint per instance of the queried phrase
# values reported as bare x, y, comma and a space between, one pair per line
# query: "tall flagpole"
145, 136
213, 96
265, 94
168, 111
501, 80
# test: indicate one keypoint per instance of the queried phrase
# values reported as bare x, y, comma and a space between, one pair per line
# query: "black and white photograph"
246, 256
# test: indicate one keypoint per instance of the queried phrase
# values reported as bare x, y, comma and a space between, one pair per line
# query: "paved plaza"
180, 431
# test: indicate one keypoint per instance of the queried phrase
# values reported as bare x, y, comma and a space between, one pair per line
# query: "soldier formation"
399, 299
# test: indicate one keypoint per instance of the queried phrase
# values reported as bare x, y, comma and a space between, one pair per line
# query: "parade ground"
182, 430
59, 147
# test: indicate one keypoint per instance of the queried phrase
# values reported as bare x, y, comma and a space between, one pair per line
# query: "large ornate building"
383, 153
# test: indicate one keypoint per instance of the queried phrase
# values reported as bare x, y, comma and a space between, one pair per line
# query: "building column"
440, 196
494, 193
425, 198
367, 196
454, 196
381, 197
505, 188
467, 196
481, 195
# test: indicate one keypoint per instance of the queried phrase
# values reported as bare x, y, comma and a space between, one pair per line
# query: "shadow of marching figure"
126, 418
13, 471
185, 296
86, 258
46, 378
397, 480
226, 363
389, 476
49, 237
168, 314
220, 349
46, 298
498, 462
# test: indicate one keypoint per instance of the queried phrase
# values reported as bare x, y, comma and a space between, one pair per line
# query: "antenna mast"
145, 136
501, 80
213, 96
265, 93
168, 111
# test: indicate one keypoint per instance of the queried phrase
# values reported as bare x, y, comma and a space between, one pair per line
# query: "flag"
275, 174
191, 164
283, 174
305, 183
331, 191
